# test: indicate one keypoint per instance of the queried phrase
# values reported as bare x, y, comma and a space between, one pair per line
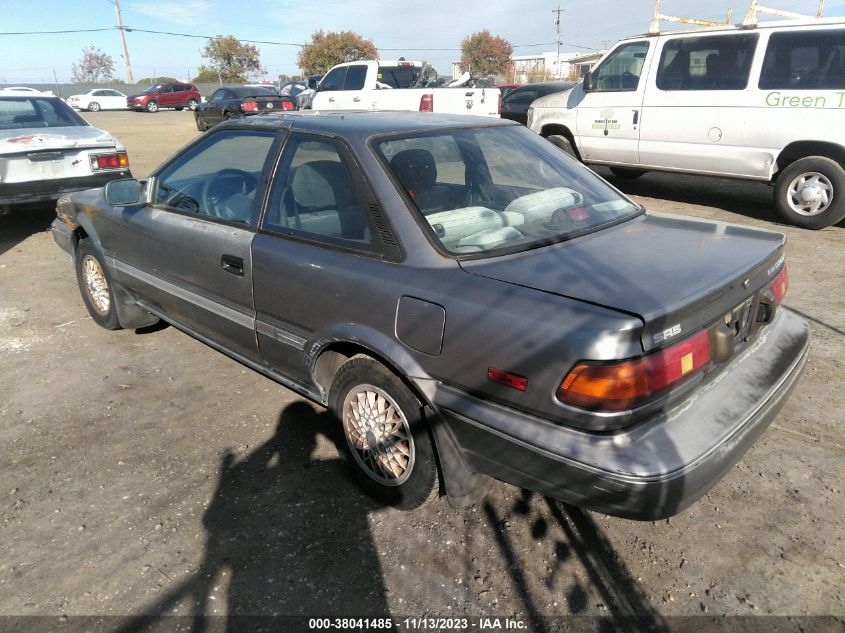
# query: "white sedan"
98, 99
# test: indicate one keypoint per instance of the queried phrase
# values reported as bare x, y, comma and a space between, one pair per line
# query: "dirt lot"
146, 473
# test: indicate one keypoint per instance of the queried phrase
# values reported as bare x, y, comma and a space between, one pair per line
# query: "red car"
165, 95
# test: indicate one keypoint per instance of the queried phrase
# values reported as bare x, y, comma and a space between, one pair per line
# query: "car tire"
152, 106
93, 107
403, 475
202, 126
179, 108
563, 143
192, 104
95, 286
627, 173
810, 193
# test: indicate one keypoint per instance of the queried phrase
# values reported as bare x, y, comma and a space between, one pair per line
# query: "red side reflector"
249, 106
507, 379
427, 103
780, 285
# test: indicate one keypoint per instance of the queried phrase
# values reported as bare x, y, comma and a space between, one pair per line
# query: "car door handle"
636, 116
232, 264
331, 99
357, 99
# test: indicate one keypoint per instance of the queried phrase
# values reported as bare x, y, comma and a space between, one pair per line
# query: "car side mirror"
589, 84
123, 193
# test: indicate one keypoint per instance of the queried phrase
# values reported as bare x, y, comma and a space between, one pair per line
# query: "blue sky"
404, 25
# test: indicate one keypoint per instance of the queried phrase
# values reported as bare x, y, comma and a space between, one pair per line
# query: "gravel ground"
145, 473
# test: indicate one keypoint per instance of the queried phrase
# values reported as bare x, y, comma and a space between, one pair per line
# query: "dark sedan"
467, 300
516, 101
229, 102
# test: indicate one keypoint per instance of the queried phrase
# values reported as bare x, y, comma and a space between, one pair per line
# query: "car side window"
334, 80
807, 60
218, 177
621, 70
355, 77
520, 96
313, 197
717, 62
218, 94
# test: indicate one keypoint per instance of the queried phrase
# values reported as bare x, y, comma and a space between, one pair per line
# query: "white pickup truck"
392, 85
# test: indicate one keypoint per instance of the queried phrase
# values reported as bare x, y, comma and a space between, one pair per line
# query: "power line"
111, 28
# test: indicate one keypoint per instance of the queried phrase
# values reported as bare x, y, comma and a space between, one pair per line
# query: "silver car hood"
33, 139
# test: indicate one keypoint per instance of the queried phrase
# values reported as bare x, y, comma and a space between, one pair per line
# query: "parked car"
23, 90
505, 88
47, 149
761, 103
230, 102
458, 292
165, 95
400, 85
516, 101
304, 98
98, 99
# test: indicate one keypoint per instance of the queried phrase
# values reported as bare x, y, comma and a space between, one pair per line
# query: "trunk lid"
676, 274
268, 103
24, 141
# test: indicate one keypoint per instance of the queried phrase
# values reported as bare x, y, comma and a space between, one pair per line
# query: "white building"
542, 63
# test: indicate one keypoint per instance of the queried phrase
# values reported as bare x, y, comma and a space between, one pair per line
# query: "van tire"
829, 178
563, 143
627, 173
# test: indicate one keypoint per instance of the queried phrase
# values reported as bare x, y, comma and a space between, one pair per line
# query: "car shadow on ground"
21, 222
748, 198
286, 534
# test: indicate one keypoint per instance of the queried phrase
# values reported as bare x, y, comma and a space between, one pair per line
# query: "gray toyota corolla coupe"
468, 300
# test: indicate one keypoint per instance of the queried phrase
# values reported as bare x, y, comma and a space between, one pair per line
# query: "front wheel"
386, 441
810, 193
563, 143
95, 286
627, 173
202, 126
192, 104
152, 106
93, 107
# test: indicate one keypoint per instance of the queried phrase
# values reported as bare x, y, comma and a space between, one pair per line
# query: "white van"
764, 103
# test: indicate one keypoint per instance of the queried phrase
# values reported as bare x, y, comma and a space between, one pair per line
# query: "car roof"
805, 22
364, 123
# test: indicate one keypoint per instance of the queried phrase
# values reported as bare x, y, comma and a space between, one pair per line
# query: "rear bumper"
654, 469
46, 190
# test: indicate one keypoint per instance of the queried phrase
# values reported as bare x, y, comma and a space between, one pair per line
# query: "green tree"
486, 55
94, 66
229, 60
329, 49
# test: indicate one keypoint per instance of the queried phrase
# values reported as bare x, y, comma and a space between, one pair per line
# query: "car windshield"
153, 88
500, 189
34, 112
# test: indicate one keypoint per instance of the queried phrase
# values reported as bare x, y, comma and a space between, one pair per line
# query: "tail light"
287, 105
109, 161
620, 386
249, 106
427, 103
780, 285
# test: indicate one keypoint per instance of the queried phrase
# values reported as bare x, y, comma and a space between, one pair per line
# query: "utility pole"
120, 28
557, 13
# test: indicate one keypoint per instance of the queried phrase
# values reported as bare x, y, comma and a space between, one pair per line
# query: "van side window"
719, 62
809, 60
621, 70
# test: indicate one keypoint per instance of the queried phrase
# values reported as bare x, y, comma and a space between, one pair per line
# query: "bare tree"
95, 66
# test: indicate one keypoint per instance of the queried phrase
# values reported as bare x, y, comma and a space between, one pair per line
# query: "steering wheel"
219, 188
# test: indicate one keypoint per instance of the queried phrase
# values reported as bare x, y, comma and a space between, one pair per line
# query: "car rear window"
34, 112
253, 92
499, 189
403, 76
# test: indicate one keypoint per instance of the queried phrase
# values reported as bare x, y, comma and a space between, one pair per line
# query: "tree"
329, 49
486, 55
156, 80
94, 66
229, 60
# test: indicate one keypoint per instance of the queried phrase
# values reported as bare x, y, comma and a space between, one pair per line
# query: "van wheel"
627, 173
386, 441
95, 286
152, 106
563, 143
810, 193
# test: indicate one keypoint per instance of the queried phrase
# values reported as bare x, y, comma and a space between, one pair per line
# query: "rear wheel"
93, 107
810, 193
563, 143
627, 173
386, 441
192, 104
179, 108
95, 286
152, 106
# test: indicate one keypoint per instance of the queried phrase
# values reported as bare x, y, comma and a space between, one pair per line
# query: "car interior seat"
322, 201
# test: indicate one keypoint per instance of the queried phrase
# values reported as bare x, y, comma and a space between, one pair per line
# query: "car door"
326, 97
187, 251
116, 100
515, 103
316, 251
352, 95
213, 110
608, 115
